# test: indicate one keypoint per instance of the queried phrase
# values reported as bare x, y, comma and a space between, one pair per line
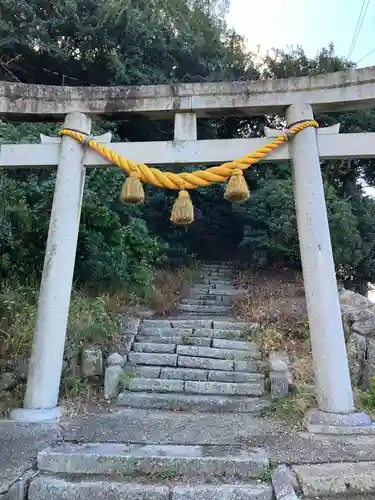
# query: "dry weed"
170, 286
275, 299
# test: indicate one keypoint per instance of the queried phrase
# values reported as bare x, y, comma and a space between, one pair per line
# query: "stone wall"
358, 314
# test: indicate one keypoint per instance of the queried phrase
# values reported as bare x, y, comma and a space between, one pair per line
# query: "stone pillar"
45, 368
334, 392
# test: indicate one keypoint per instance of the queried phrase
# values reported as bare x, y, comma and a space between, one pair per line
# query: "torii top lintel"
340, 91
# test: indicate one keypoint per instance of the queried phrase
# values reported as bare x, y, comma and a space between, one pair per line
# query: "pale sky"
310, 23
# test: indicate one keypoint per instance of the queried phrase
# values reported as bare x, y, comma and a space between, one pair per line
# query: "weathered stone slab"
227, 388
181, 340
191, 323
143, 371
92, 361
164, 332
156, 323
201, 302
155, 385
336, 479
135, 459
220, 376
111, 381
143, 358
157, 348
47, 488
210, 352
247, 366
234, 344
284, 482
192, 308
223, 492
184, 374
192, 402
205, 363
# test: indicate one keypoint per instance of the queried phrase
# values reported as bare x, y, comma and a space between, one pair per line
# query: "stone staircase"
196, 361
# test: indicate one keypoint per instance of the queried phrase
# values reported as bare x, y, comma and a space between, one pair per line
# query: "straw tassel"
182, 210
132, 191
237, 189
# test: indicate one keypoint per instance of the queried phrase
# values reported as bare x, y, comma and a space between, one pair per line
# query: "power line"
365, 57
361, 17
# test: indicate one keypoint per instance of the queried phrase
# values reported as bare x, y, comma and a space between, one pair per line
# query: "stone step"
191, 323
213, 364
180, 340
168, 348
192, 402
166, 331
52, 488
205, 302
197, 374
226, 292
218, 353
195, 386
204, 309
335, 479
208, 299
145, 358
215, 282
191, 332
114, 459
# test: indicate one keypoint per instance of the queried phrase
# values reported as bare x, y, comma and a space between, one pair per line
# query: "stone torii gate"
295, 98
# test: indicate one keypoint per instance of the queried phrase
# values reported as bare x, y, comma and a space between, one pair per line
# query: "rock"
111, 381
7, 381
92, 362
365, 327
356, 350
347, 297
115, 359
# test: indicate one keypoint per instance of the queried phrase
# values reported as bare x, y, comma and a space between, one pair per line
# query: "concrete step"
192, 402
195, 387
335, 479
219, 353
144, 460
52, 488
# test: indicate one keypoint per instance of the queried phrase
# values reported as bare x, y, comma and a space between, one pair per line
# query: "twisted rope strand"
186, 180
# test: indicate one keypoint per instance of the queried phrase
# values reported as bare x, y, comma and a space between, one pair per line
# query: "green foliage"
367, 397
271, 229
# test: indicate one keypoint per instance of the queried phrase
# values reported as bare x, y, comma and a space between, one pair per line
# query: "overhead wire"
357, 30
